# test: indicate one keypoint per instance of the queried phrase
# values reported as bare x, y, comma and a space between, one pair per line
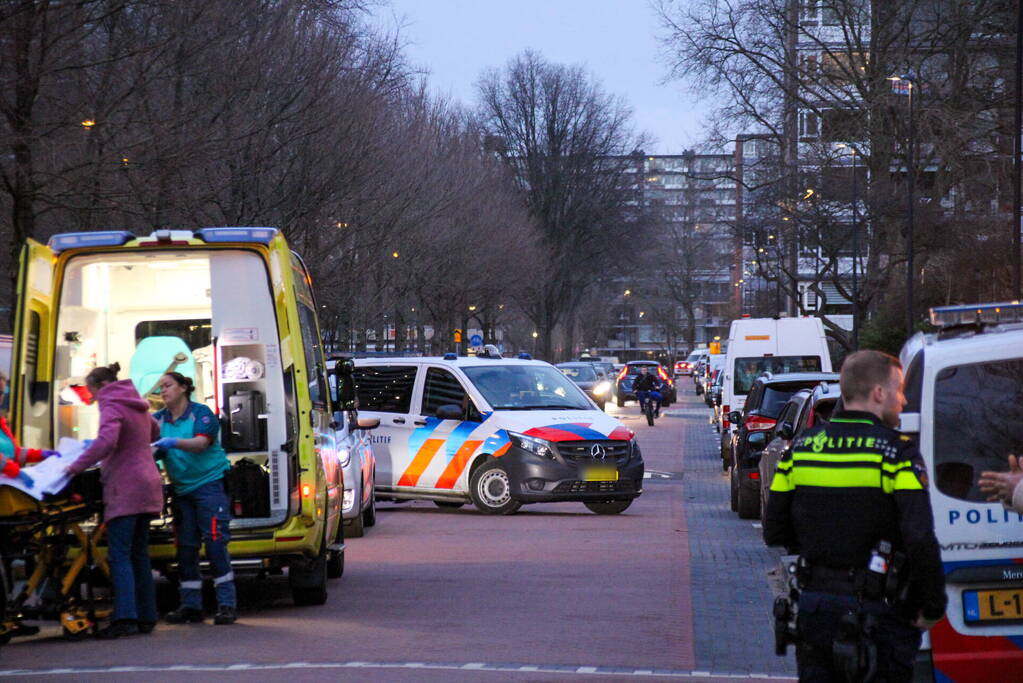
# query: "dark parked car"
757, 421
586, 377
806, 408
624, 391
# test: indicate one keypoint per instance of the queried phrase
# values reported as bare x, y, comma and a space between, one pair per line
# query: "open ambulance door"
32, 355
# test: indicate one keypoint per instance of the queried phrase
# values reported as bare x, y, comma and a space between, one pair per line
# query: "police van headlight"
344, 455
541, 447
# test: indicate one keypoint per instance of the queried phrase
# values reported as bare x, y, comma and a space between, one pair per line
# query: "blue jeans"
644, 396
130, 570
203, 517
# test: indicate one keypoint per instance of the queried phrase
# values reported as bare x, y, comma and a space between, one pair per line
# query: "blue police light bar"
80, 240
977, 314
525, 356
450, 355
261, 235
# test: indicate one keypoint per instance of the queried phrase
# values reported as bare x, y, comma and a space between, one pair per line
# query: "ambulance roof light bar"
977, 314
244, 234
101, 238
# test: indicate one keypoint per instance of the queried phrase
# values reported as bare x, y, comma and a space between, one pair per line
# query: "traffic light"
458, 336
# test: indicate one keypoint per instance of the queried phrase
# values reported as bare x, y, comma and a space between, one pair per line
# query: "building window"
809, 126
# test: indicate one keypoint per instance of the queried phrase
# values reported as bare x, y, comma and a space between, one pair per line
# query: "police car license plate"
997, 605
600, 474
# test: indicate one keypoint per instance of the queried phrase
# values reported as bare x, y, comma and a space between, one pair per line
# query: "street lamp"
855, 247
903, 85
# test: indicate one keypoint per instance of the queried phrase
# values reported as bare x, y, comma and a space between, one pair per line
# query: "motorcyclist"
647, 387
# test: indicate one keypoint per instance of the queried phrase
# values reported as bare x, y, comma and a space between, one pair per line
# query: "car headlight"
344, 455
541, 447
601, 388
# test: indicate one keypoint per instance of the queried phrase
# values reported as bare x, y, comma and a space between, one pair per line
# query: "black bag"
248, 487
244, 429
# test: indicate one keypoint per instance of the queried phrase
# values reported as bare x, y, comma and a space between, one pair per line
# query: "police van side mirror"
449, 411
785, 431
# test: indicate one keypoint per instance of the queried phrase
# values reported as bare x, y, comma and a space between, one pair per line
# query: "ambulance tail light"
80, 240
725, 409
306, 490
259, 235
759, 423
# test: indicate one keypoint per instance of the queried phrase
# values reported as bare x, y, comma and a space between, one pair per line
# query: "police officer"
839, 492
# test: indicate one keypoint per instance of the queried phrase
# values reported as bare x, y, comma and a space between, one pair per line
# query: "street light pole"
911, 83
856, 256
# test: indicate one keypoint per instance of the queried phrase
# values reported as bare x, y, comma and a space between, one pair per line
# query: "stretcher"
50, 560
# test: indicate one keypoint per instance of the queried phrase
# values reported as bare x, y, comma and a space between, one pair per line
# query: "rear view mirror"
734, 417
785, 431
449, 411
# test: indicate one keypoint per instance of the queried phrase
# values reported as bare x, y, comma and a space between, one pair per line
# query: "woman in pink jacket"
132, 496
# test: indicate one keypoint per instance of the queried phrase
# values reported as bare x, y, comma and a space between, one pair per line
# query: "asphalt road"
551, 593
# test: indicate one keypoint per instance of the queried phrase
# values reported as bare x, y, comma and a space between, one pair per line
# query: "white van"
498, 432
963, 392
775, 345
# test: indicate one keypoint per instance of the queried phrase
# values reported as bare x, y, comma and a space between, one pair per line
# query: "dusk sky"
615, 40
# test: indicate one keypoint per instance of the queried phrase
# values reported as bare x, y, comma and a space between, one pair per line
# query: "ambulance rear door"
32, 355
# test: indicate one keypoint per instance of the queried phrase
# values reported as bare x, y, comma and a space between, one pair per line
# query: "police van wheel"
608, 507
490, 489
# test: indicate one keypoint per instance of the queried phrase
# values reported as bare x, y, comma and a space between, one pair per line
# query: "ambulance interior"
208, 315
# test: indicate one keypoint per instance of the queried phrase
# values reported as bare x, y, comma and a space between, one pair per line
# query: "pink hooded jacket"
131, 483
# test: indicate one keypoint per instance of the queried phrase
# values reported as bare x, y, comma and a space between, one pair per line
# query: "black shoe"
21, 630
225, 615
146, 626
123, 627
184, 615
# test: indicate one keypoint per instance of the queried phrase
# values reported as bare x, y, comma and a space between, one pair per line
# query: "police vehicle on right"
964, 387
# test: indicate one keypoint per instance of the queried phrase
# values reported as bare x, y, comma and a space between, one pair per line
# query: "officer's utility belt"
830, 580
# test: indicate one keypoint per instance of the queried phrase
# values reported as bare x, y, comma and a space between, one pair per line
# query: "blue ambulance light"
525, 356
977, 314
81, 240
261, 235
450, 355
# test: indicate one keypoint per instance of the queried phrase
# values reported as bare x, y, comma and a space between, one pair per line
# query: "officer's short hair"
864, 370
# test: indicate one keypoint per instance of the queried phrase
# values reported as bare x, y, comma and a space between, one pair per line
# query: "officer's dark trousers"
819, 616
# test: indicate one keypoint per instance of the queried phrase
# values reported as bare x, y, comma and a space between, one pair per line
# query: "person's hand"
165, 443
25, 479
925, 624
1000, 485
49, 454
88, 442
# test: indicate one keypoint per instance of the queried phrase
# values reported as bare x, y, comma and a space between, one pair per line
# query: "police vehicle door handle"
399, 420
419, 423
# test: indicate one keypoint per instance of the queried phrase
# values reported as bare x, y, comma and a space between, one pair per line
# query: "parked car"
631, 370
806, 408
715, 400
708, 368
688, 366
358, 463
759, 416
586, 377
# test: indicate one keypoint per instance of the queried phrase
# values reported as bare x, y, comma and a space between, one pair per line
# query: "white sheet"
48, 476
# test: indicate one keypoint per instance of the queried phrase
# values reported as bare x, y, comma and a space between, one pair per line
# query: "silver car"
358, 465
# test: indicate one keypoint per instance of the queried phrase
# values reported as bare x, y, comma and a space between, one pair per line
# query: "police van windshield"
748, 369
978, 423
526, 387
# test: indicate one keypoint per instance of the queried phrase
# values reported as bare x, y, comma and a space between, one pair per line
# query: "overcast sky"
615, 40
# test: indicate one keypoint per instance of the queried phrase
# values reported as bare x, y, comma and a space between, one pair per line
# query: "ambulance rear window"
978, 422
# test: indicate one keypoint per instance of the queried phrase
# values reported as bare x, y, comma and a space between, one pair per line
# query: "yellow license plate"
600, 474
996, 605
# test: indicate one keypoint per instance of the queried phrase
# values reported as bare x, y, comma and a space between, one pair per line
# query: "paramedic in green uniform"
196, 464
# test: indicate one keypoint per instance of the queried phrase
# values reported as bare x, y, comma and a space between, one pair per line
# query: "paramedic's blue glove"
49, 454
88, 442
25, 479
165, 443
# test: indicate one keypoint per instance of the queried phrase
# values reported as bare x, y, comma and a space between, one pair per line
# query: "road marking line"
588, 670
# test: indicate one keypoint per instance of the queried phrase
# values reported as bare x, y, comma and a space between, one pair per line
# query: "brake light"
623, 373
725, 409
306, 490
759, 423
663, 375
754, 474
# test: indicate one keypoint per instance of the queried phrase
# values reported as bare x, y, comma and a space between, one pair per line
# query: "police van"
498, 432
964, 388
231, 308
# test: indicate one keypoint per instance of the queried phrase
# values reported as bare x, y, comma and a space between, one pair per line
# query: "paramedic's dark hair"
103, 374
186, 382
864, 370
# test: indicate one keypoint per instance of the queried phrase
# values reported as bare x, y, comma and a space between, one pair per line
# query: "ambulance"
964, 388
233, 309
498, 432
